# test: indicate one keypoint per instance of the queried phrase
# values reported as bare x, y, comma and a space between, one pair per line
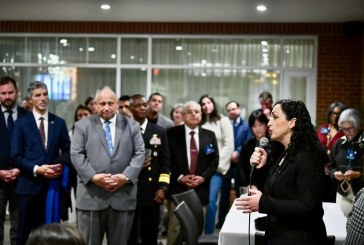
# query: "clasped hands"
50, 171
348, 175
9, 175
109, 182
192, 181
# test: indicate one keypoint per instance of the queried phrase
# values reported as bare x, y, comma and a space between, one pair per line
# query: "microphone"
263, 142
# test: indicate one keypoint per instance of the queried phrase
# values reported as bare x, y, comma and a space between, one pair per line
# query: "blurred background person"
176, 114
347, 159
155, 104
242, 133
91, 103
224, 133
292, 197
123, 106
56, 234
81, 112
258, 122
328, 133
266, 101
26, 103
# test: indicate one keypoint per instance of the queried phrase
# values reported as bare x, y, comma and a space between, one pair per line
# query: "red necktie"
41, 131
193, 154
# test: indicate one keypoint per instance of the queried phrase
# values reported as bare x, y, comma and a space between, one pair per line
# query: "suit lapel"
96, 121
183, 147
119, 127
51, 129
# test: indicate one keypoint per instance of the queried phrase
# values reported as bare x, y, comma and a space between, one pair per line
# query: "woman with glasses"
347, 159
328, 133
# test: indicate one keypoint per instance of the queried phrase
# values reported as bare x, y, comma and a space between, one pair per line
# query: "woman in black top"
258, 123
292, 197
347, 157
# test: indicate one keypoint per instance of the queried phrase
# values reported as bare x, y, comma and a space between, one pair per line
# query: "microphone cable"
263, 142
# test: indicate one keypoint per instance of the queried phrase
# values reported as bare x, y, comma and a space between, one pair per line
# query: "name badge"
209, 149
350, 154
325, 130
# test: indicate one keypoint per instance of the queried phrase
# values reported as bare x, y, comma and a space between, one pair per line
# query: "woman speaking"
292, 196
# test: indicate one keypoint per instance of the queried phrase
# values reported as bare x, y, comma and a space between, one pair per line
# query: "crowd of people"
115, 171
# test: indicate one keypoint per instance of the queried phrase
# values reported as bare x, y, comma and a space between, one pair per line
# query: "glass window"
42, 50
298, 53
12, 49
216, 52
244, 86
134, 50
133, 81
67, 86
72, 50
102, 50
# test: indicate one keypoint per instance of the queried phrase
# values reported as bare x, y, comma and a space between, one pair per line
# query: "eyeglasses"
348, 130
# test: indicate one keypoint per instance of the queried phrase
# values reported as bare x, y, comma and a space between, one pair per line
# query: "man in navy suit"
153, 180
187, 173
9, 113
40, 149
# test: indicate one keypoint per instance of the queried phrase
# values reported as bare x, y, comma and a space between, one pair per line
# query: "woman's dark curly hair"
304, 135
214, 116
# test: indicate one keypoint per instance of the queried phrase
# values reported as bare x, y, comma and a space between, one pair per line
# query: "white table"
235, 228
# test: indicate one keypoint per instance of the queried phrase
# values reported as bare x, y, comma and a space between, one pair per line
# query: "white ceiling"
184, 10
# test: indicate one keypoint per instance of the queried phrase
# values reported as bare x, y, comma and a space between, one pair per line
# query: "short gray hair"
113, 94
35, 85
350, 115
191, 103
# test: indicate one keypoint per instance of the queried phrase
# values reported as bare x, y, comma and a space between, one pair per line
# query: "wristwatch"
127, 180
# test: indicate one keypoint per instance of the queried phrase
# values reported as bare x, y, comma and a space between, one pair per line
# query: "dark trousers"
145, 226
31, 215
8, 196
224, 204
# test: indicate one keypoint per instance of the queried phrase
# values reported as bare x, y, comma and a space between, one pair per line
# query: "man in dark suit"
153, 180
194, 158
108, 153
10, 112
39, 149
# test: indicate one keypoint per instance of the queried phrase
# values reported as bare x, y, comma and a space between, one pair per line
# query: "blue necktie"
10, 123
108, 137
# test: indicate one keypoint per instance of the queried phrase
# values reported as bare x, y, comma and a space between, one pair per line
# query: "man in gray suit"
107, 152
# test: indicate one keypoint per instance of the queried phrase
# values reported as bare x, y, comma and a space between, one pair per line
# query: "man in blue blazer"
40, 149
9, 113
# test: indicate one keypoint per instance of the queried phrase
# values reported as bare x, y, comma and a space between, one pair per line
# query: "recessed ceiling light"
105, 6
179, 48
261, 8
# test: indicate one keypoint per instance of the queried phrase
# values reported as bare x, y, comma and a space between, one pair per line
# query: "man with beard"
10, 112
